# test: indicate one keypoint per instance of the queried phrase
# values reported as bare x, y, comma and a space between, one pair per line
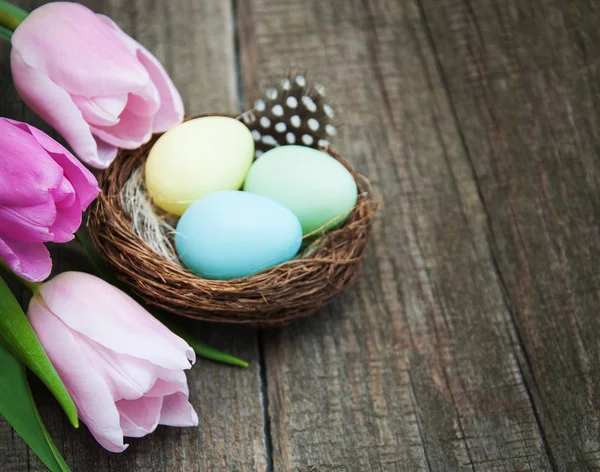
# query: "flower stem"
33, 287
5, 34
8, 21
15, 14
11, 17
200, 347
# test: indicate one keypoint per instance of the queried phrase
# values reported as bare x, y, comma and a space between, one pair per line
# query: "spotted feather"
293, 112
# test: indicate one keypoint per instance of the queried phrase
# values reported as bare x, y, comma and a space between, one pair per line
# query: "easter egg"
233, 234
318, 189
198, 157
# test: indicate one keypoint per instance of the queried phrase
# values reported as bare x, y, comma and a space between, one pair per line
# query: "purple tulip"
123, 368
43, 191
96, 86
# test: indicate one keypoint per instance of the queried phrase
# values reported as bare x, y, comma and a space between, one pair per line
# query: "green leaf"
18, 335
200, 347
19, 409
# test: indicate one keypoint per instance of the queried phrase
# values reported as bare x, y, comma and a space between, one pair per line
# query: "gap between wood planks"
262, 369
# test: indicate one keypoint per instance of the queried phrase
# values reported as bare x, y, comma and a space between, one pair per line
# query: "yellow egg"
198, 157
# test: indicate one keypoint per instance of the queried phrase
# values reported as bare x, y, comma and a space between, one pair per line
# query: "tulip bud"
43, 192
122, 367
99, 88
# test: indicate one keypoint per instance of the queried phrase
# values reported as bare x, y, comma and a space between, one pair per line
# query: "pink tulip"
100, 89
123, 368
43, 191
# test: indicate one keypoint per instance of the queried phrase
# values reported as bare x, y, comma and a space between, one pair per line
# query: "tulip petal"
95, 405
57, 36
127, 377
44, 141
177, 411
57, 108
106, 152
142, 105
26, 171
171, 110
101, 111
118, 323
82, 180
111, 105
68, 220
63, 195
170, 382
30, 261
28, 223
139, 417
162, 388
131, 131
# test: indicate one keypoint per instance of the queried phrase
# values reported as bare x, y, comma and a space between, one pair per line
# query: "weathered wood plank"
194, 40
420, 367
477, 121
524, 80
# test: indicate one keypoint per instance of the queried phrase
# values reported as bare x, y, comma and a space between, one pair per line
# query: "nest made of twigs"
273, 297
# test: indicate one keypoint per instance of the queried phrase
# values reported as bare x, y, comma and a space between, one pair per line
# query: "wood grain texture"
524, 81
421, 367
194, 40
470, 344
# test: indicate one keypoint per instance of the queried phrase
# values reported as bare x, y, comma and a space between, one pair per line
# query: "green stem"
18, 14
200, 347
8, 21
5, 34
33, 287
11, 17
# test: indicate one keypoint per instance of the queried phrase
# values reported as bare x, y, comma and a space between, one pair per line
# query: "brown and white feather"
292, 112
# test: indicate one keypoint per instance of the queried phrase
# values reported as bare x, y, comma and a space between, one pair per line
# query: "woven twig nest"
273, 297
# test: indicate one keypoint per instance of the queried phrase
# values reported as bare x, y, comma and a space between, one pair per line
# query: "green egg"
313, 185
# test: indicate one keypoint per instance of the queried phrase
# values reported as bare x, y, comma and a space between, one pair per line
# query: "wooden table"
472, 341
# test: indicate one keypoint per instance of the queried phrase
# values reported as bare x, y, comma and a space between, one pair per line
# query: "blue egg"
231, 234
